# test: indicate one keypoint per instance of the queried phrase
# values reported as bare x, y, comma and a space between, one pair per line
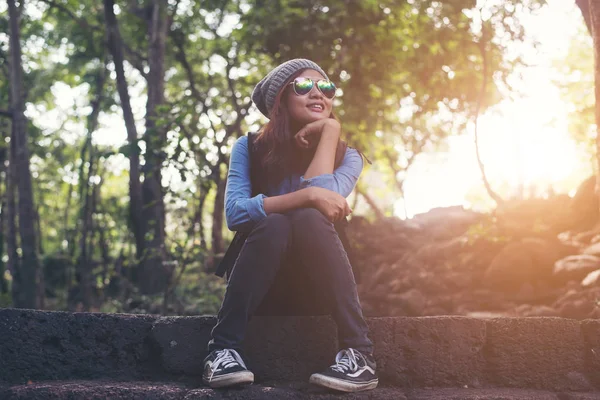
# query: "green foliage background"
423, 58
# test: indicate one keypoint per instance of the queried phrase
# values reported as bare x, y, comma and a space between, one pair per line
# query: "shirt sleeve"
343, 179
241, 210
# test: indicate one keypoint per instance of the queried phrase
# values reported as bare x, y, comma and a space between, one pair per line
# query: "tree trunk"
155, 273
83, 266
104, 251
13, 264
4, 129
218, 211
115, 45
196, 227
93, 244
584, 6
29, 260
87, 193
41, 285
199, 221
482, 49
3, 282
38, 229
595, 24
70, 235
67, 231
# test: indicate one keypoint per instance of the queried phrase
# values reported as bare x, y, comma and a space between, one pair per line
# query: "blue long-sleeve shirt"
243, 211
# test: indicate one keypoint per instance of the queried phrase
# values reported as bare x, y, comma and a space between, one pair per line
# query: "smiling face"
310, 107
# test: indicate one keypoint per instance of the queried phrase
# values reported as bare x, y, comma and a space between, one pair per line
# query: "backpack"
257, 179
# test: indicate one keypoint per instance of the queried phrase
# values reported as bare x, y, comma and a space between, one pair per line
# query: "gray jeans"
264, 278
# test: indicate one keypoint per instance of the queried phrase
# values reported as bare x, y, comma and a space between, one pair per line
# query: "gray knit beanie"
266, 90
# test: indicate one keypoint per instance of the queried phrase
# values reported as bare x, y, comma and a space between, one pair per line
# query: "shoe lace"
227, 358
346, 361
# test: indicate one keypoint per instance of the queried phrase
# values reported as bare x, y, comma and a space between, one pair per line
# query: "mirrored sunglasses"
303, 86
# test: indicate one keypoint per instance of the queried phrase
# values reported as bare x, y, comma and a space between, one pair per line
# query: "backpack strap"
256, 180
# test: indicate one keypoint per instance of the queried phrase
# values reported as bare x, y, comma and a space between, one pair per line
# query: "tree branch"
173, 14
133, 57
178, 36
416, 148
370, 202
82, 22
497, 199
231, 86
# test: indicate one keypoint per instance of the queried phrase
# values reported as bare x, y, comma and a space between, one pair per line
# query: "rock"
526, 291
442, 249
447, 222
528, 310
584, 206
578, 303
575, 267
529, 260
593, 250
485, 314
595, 314
525, 252
591, 279
569, 295
509, 269
545, 252
522, 309
412, 301
521, 217
436, 310
39, 345
578, 309
579, 380
541, 311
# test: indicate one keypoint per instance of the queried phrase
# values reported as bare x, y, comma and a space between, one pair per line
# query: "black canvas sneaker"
225, 368
352, 372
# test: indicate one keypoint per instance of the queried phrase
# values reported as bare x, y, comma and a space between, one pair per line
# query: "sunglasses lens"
327, 88
303, 86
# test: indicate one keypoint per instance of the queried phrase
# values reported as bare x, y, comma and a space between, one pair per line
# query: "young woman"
310, 172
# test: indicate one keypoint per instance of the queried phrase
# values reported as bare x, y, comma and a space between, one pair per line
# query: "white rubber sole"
238, 378
343, 386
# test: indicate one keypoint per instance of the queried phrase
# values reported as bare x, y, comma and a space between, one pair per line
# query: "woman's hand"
309, 136
331, 204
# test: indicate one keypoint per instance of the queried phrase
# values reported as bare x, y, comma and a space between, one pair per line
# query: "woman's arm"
243, 211
344, 177
330, 204
289, 201
324, 158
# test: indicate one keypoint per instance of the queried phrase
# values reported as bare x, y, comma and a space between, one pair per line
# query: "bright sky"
524, 141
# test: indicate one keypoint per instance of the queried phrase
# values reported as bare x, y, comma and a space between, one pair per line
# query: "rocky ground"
538, 257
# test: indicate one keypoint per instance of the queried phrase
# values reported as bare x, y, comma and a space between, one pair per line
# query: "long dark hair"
275, 143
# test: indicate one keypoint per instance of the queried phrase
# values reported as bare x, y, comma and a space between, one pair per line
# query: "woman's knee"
274, 225
307, 218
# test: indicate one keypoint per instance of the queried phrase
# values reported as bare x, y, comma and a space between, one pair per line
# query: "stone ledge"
92, 390
537, 353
